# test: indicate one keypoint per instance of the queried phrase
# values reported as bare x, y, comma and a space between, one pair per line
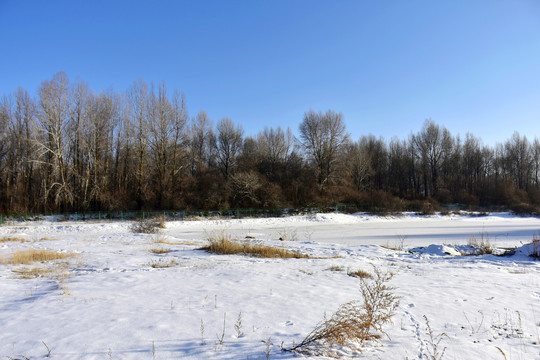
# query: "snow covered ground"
116, 299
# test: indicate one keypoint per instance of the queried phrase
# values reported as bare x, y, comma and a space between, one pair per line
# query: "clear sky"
469, 65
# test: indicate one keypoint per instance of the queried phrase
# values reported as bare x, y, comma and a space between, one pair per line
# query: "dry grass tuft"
12, 239
188, 243
160, 251
355, 322
481, 245
62, 278
361, 274
32, 273
167, 242
60, 274
223, 245
162, 264
336, 268
161, 239
31, 256
47, 239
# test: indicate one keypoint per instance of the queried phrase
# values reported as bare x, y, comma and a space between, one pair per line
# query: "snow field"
120, 307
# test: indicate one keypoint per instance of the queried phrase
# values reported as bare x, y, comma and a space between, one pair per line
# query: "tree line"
71, 149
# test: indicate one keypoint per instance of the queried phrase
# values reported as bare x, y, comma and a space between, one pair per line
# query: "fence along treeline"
71, 149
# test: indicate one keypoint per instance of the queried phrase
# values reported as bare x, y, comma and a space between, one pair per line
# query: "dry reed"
224, 246
31, 256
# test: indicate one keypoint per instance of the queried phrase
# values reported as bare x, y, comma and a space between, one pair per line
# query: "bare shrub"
433, 348
398, 246
524, 209
427, 208
288, 235
149, 225
223, 245
383, 203
355, 322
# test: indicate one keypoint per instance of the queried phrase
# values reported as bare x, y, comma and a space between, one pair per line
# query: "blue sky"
471, 66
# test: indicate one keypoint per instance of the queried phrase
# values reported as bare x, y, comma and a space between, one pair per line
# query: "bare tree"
518, 160
399, 174
179, 137
536, 161
161, 130
22, 133
53, 116
376, 152
79, 123
229, 142
201, 139
472, 163
99, 139
432, 145
5, 119
275, 147
245, 187
323, 137
138, 94
358, 165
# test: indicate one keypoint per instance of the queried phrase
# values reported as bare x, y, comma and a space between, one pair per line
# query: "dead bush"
481, 245
383, 203
524, 209
355, 322
148, 225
